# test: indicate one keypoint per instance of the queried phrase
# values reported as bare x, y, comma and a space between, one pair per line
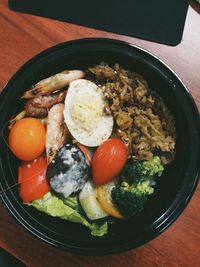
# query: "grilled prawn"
53, 83
57, 131
47, 101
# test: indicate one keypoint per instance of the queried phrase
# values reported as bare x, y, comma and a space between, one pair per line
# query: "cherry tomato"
32, 179
27, 138
108, 161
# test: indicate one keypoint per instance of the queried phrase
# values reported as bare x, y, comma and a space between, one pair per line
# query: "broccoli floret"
140, 170
153, 166
131, 198
135, 185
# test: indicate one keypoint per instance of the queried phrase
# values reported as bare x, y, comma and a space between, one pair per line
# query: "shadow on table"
7, 260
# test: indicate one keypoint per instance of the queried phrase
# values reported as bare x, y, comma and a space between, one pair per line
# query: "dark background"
7, 260
155, 20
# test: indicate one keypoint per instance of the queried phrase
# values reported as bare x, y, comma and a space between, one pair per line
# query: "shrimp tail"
19, 116
24, 114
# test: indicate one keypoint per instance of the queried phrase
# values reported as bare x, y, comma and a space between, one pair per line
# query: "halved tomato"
32, 179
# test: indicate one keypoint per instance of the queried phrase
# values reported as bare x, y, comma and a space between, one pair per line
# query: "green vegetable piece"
152, 167
141, 170
135, 185
54, 206
89, 202
73, 202
131, 198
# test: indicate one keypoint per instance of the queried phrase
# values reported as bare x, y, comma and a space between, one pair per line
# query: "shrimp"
24, 114
38, 106
32, 111
53, 83
47, 101
57, 131
19, 116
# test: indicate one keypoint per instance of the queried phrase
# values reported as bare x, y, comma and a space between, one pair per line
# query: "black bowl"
173, 190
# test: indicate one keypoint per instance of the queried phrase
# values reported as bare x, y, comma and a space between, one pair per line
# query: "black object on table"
7, 260
155, 20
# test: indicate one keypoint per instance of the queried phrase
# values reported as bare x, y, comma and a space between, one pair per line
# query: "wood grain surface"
21, 37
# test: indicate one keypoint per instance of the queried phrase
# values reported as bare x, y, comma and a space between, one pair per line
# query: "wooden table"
21, 37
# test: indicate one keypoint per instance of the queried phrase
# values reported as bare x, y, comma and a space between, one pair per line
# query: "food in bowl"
108, 137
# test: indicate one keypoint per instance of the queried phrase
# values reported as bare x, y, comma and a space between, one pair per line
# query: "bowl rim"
176, 207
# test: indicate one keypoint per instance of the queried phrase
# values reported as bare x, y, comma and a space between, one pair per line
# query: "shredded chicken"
142, 120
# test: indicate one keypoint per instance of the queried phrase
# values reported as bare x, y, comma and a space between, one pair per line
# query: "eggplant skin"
68, 171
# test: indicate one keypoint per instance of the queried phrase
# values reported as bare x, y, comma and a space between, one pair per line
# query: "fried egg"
84, 113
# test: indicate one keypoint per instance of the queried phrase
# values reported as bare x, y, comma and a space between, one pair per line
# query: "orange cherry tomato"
32, 179
27, 138
108, 161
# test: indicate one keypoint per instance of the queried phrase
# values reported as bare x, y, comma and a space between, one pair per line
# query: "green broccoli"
140, 170
135, 185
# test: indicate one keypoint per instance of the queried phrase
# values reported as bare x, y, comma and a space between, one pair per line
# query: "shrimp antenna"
16, 184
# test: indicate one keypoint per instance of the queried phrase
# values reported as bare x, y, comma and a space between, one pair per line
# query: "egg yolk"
86, 111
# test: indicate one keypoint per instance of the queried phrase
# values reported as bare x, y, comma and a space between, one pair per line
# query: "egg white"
84, 115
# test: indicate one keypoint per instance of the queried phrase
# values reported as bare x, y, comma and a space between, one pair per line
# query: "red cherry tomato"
32, 179
108, 161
